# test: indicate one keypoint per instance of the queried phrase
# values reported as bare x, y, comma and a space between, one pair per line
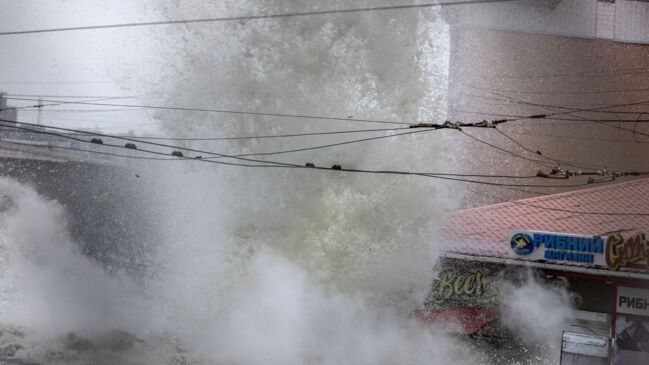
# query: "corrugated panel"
575, 18
632, 21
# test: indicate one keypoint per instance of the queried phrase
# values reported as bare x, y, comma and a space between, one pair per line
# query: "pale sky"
81, 63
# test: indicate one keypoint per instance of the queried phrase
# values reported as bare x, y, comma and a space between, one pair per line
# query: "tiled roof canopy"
483, 231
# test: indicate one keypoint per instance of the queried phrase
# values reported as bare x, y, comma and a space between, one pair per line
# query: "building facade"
592, 243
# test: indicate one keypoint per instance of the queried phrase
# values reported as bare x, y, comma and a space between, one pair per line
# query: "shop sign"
585, 344
633, 301
466, 286
632, 251
551, 246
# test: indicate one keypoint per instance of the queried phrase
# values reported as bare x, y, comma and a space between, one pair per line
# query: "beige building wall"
494, 73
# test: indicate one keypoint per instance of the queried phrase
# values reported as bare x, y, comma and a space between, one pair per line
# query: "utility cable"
255, 17
52, 102
223, 111
558, 161
67, 96
559, 92
575, 109
519, 202
555, 160
181, 159
269, 136
601, 73
292, 166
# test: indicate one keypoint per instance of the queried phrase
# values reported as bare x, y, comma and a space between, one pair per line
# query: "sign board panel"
458, 286
551, 246
612, 251
633, 301
585, 344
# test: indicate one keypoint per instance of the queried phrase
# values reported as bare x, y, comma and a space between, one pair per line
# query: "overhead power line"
561, 92
427, 127
551, 108
315, 117
597, 73
269, 136
83, 150
42, 109
275, 164
509, 99
67, 96
255, 17
53, 82
553, 159
182, 159
52, 102
513, 118
582, 137
223, 111
525, 203
624, 214
550, 116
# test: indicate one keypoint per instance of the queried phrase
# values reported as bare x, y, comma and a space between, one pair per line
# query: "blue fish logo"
521, 244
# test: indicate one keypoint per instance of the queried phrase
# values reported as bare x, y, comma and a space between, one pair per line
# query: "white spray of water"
271, 312
263, 266
537, 312
46, 282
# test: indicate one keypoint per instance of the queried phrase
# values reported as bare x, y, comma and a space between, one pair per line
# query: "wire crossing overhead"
222, 111
256, 17
275, 164
510, 118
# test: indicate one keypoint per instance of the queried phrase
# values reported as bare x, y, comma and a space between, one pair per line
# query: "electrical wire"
569, 163
575, 109
289, 135
599, 122
335, 144
51, 103
53, 82
518, 202
77, 110
581, 138
517, 117
66, 96
559, 92
601, 73
553, 159
541, 162
223, 111
273, 164
254, 17
83, 150
625, 214
181, 159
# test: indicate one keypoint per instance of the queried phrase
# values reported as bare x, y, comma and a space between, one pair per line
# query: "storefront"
592, 242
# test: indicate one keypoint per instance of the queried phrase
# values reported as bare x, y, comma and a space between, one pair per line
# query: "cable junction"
275, 164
